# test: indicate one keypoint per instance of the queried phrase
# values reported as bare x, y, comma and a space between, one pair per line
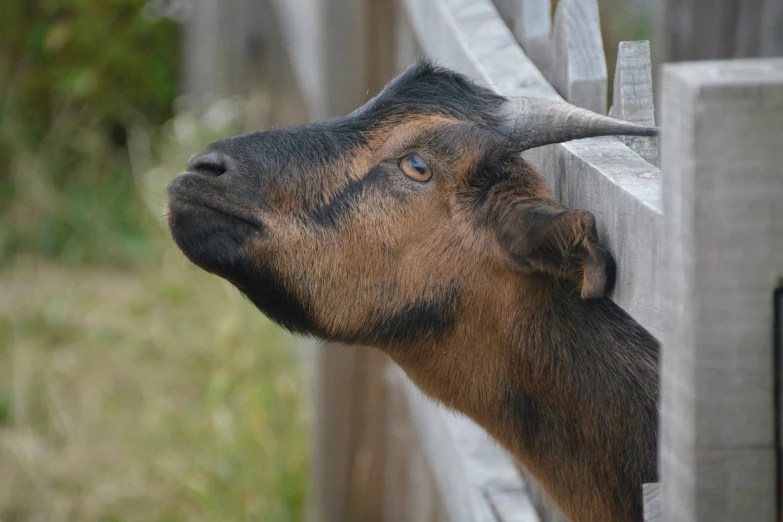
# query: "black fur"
537, 424
268, 292
214, 241
330, 213
424, 319
428, 89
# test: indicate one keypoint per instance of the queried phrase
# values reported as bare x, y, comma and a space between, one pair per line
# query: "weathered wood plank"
345, 49
410, 488
334, 367
532, 25
651, 496
407, 43
778, 347
331, 46
546, 508
399, 442
579, 67
220, 47
633, 96
601, 175
710, 29
716, 29
301, 23
572, 59
723, 227
349, 438
476, 480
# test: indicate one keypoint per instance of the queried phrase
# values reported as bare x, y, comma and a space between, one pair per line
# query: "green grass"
150, 395
134, 386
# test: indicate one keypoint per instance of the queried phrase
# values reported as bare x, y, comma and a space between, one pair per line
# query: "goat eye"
415, 168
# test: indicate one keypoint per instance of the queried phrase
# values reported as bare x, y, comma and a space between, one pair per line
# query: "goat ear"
542, 236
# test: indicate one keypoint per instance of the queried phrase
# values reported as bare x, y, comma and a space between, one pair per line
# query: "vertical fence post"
722, 155
572, 59
532, 25
709, 29
204, 68
633, 96
348, 465
579, 73
221, 48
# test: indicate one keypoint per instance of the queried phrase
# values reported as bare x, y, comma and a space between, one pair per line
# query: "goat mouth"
212, 238
232, 216
180, 198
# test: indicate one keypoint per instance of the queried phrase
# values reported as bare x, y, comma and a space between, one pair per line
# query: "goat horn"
536, 121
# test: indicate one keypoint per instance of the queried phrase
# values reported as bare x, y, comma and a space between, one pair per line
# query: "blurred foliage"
149, 393
75, 76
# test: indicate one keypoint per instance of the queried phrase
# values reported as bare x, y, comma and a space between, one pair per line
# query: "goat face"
374, 227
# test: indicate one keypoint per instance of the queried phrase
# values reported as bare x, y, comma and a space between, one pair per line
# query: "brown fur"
514, 332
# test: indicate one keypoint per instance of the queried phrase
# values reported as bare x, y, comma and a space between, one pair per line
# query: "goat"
413, 225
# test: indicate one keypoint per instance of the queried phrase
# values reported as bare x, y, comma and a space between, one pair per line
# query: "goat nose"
210, 163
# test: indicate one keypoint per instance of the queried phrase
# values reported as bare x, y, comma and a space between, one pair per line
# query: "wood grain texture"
349, 435
651, 494
579, 68
331, 44
301, 24
710, 29
716, 29
633, 96
778, 347
722, 152
601, 175
221, 47
533, 27
400, 441
410, 488
531, 23
570, 53
334, 368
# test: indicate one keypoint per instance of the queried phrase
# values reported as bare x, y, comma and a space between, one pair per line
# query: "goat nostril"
211, 163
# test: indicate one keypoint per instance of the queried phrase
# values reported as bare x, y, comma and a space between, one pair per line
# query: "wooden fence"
699, 246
